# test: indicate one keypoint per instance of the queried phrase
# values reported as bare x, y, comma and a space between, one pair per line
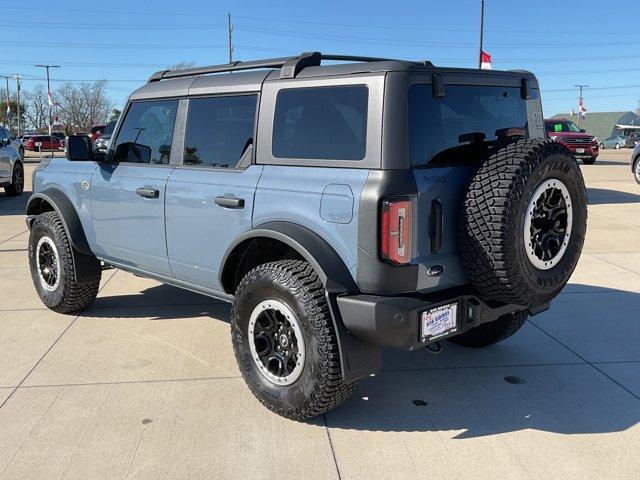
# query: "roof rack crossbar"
290, 66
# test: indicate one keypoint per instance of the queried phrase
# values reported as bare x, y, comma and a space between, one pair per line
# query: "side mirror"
80, 149
582, 130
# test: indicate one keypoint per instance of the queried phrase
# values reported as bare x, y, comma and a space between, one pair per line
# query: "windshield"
108, 130
559, 127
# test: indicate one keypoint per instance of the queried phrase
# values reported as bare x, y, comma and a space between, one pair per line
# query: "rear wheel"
617, 146
636, 170
284, 340
17, 181
589, 161
21, 152
523, 222
492, 332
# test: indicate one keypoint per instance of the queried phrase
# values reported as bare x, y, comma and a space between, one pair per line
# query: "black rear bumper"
394, 321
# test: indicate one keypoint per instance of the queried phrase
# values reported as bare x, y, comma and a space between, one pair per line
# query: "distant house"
606, 124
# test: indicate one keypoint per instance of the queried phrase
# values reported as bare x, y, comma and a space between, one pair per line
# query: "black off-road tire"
320, 386
492, 332
589, 161
492, 246
17, 181
69, 296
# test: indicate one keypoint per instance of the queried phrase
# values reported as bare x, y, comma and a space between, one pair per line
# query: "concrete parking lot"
144, 383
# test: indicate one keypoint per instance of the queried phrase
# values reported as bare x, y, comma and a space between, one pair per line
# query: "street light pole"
17, 77
50, 102
8, 108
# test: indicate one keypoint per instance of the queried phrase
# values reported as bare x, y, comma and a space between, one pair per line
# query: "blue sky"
564, 43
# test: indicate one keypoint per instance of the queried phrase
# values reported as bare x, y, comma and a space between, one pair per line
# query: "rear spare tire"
523, 222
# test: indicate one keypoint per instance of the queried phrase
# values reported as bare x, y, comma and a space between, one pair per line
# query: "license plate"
579, 150
38, 144
439, 322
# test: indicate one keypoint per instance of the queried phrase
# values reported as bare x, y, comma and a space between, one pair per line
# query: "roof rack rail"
290, 66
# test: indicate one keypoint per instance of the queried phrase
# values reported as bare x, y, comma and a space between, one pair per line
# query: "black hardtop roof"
250, 75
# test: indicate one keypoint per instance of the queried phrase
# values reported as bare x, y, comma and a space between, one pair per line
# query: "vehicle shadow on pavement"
530, 381
161, 302
603, 196
13, 205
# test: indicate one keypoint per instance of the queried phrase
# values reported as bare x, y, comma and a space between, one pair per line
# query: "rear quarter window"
321, 123
436, 124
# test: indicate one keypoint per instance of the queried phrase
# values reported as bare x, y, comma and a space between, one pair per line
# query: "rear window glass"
437, 124
321, 123
97, 129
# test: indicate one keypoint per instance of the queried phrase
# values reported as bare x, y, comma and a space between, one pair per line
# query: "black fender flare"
86, 265
358, 359
333, 273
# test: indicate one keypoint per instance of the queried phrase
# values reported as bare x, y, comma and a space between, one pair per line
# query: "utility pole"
8, 106
50, 102
481, 33
230, 30
580, 104
17, 77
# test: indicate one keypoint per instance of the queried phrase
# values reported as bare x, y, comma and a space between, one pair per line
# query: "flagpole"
481, 33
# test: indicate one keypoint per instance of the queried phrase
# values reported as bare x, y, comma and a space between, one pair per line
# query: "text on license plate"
579, 150
439, 321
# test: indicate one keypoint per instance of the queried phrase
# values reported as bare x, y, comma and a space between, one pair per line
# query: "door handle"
230, 202
148, 192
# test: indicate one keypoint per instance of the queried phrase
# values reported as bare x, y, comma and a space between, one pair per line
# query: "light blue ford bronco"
339, 207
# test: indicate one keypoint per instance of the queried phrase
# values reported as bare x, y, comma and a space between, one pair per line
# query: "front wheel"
636, 170
617, 146
21, 152
284, 340
51, 264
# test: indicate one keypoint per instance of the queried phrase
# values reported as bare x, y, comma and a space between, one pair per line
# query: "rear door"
210, 196
128, 192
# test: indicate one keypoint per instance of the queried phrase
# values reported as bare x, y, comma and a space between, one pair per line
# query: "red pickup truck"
581, 144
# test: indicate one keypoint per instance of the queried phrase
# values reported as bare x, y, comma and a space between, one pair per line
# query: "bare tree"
82, 105
36, 110
182, 65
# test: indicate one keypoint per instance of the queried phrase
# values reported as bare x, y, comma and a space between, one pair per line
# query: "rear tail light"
395, 231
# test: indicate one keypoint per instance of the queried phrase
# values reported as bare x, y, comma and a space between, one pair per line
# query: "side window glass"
146, 133
219, 130
328, 123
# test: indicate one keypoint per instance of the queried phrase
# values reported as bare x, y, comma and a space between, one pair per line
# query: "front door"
128, 192
210, 197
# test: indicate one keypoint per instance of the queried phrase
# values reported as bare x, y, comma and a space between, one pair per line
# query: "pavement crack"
333, 452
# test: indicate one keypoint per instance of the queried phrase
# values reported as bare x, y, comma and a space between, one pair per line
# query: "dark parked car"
43, 142
102, 142
580, 143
